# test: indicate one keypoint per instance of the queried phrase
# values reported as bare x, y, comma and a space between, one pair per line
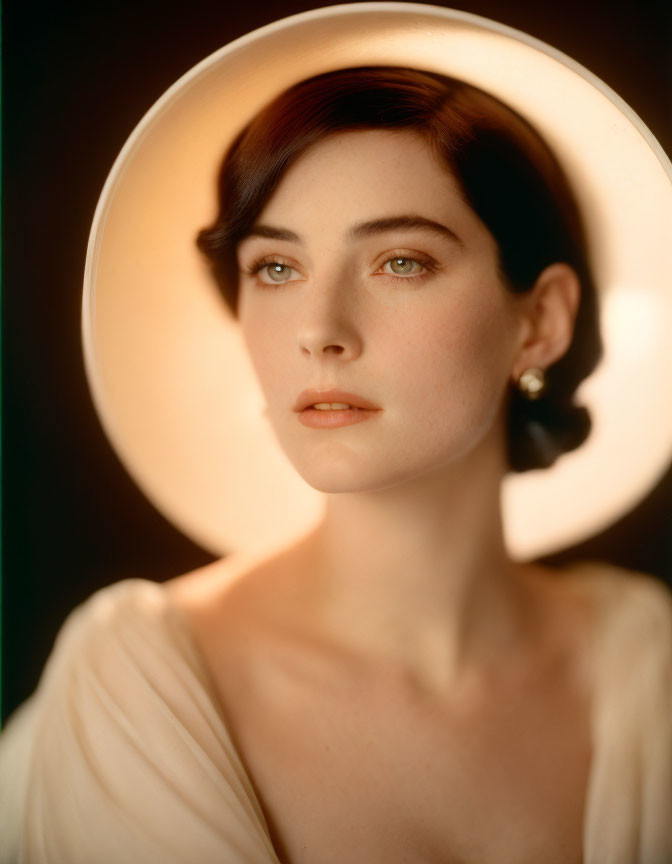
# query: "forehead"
366, 174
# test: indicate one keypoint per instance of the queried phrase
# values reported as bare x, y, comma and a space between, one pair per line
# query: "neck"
418, 574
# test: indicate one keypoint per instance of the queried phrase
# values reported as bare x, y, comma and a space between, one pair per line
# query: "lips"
308, 398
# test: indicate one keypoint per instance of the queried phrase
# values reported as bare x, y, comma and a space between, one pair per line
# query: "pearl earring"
532, 383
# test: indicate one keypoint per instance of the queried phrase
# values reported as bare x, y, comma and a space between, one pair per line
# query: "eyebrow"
408, 223
273, 233
362, 229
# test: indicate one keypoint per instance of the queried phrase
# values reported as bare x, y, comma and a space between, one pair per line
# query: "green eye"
277, 272
404, 266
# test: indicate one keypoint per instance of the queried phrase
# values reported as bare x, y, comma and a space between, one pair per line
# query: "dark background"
76, 80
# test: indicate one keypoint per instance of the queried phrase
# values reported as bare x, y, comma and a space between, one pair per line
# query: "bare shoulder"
261, 589
633, 612
619, 591
202, 586
237, 608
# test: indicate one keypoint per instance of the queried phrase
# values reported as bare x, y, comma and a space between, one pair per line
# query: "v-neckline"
587, 575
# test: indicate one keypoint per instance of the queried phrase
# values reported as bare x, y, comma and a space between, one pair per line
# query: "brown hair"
506, 172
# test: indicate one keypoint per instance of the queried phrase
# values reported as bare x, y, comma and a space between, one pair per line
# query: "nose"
328, 326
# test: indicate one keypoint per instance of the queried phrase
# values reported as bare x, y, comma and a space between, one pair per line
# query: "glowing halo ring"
166, 364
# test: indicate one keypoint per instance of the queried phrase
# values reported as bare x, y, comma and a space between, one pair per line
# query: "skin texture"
394, 677
434, 348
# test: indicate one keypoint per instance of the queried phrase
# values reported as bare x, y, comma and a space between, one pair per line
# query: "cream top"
123, 755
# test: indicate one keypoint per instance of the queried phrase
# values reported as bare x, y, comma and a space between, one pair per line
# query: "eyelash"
428, 265
254, 268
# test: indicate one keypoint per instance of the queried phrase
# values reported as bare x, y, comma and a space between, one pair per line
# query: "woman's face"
367, 273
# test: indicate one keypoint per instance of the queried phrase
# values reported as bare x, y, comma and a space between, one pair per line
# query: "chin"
337, 469
337, 466
334, 475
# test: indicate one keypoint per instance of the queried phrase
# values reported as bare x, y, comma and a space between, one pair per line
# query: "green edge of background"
1, 466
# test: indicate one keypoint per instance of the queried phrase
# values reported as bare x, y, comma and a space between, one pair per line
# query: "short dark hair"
506, 172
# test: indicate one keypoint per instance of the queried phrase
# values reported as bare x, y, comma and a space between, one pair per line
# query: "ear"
547, 314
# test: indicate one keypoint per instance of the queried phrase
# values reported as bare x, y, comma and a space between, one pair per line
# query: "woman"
408, 247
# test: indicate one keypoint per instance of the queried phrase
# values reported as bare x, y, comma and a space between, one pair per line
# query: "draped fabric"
123, 755
629, 808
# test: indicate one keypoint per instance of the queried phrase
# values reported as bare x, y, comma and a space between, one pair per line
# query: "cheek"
455, 363
261, 341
